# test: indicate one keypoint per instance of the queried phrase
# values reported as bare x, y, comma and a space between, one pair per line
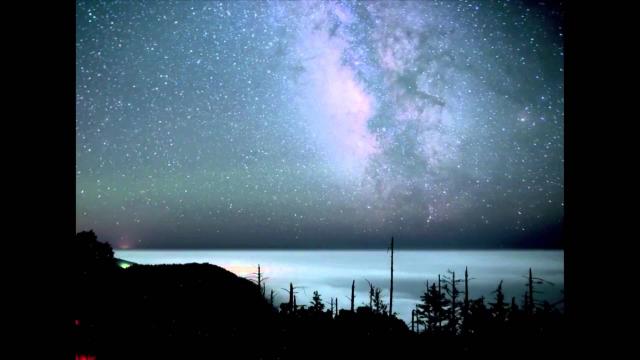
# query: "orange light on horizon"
252, 269
241, 269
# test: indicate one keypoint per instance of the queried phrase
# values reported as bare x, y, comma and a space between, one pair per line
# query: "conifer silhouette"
432, 310
498, 308
451, 288
316, 303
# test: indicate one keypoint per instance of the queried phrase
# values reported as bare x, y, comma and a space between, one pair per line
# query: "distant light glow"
85, 357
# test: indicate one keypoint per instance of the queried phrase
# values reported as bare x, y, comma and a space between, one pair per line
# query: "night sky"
320, 124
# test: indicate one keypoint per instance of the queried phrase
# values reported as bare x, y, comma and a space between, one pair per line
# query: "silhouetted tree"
465, 303
292, 298
290, 307
466, 289
445, 302
371, 294
549, 319
378, 304
498, 309
530, 307
316, 303
451, 289
417, 319
353, 293
514, 310
432, 310
478, 316
181, 305
413, 316
260, 281
391, 285
87, 251
423, 310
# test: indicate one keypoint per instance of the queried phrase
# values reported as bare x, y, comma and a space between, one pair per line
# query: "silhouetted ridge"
180, 311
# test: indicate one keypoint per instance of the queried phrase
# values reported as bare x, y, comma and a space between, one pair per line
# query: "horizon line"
334, 248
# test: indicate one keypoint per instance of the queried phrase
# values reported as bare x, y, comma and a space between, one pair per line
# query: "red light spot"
77, 322
85, 357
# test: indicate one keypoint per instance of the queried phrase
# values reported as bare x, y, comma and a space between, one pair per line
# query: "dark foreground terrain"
204, 311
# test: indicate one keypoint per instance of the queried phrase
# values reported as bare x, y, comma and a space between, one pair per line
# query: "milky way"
319, 124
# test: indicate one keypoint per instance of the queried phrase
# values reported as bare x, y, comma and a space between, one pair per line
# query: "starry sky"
308, 124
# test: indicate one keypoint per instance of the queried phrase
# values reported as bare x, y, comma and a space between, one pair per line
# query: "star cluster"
318, 124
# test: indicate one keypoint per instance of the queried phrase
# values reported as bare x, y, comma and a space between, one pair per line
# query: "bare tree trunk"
531, 303
466, 291
465, 314
413, 314
353, 290
453, 302
391, 287
291, 305
439, 294
259, 279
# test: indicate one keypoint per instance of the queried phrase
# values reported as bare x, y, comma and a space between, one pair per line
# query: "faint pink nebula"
341, 106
